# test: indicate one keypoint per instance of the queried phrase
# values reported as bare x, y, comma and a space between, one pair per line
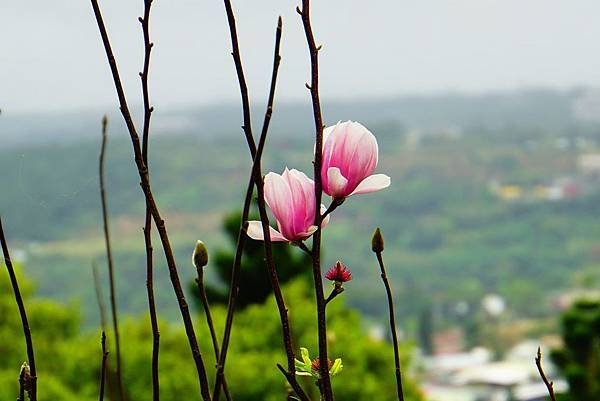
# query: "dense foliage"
579, 359
69, 359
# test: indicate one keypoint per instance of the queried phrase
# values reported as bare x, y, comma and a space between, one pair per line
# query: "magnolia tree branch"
148, 109
156, 216
377, 247
99, 296
103, 367
325, 381
22, 383
256, 156
237, 58
30, 383
264, 218
234, 287
109, 258
209, 322
549, 384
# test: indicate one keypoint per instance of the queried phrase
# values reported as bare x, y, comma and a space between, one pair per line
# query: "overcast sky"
51, 56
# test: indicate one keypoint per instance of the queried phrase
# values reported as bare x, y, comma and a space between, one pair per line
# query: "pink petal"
373, 183
303, 193
364, 159
336, 182
279, 198
255, 231
325, 221
310, 231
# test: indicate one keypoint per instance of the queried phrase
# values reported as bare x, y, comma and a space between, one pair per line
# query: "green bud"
377, 241
200, 255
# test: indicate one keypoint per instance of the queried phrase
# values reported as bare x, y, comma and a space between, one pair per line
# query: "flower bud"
200, 255
377, 241
25, 377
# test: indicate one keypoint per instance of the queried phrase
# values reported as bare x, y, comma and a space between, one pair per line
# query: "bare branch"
109, 258
31, 382
148, 109
549, 384
378, 250
256, 178
211, 326
103, 367
325, 381
156, 216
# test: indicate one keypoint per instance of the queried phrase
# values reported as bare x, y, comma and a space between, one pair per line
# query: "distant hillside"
451, 236
541, 108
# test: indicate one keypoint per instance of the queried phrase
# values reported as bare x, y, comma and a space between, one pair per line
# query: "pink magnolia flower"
291, 198
350, 156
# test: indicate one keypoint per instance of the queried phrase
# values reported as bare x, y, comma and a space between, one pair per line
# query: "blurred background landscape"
487, 116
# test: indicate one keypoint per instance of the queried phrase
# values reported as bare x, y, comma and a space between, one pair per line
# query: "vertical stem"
22, 383
255, 178
237, 59
234, 287
209, 322
32, 380
99, 297
148, 109
548, 383
390, 299
327, 391
151, 202
103, 366
272, 270
111, 275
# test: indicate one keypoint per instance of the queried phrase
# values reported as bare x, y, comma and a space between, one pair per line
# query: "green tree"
69, 359
579, 359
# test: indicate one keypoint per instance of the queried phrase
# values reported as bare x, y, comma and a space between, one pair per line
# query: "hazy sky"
51, 56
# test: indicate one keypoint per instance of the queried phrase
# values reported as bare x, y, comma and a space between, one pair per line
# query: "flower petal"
336, 182
255, 231
325, 221
310, 231
279, 198
373, 183
303, 194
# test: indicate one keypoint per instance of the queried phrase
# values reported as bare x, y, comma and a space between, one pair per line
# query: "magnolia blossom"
339, 273
291, 198
350, 156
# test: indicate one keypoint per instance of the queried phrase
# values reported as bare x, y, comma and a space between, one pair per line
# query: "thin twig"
99, 296
334, 293
148, 109
327, 392
31, 384
273, 276
111, 274
378, 250
103, 318
549, 384
234, 287
335, 203
156, 216
103, 366
22, 383
237, 58
210, 324
255, 177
